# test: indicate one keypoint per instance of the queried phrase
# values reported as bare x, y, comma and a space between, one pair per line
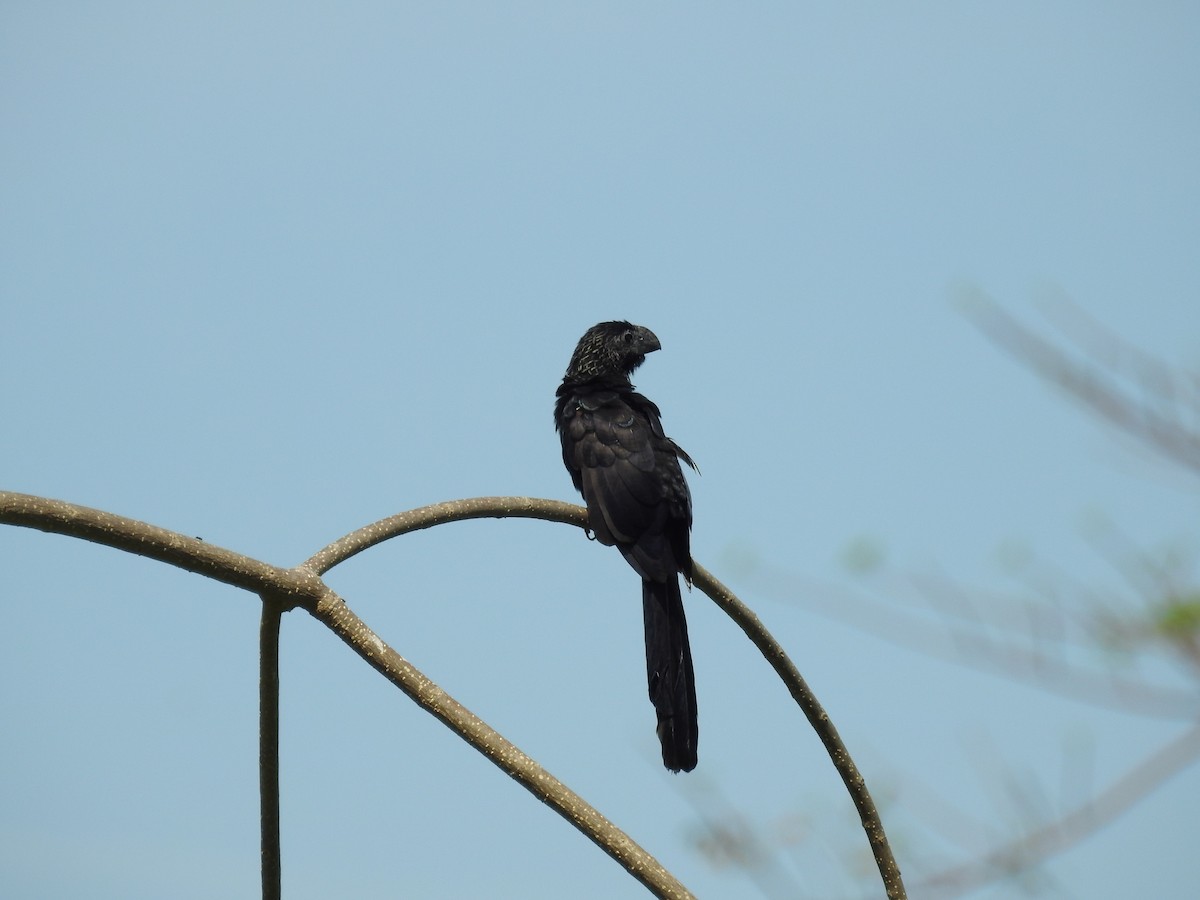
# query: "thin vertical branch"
268, 746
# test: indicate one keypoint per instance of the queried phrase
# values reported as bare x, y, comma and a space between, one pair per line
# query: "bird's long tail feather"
669, 672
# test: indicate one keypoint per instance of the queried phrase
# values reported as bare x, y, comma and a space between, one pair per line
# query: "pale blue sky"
272, 271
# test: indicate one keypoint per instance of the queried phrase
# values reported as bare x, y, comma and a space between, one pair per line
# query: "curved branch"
303, 586
774, 653
439, 514
555, 511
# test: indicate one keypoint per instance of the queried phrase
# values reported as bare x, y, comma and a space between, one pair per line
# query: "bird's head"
611, 349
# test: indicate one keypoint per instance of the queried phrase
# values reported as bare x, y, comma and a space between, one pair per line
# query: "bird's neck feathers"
597, 368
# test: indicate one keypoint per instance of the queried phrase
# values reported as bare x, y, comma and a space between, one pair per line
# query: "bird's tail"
669, 671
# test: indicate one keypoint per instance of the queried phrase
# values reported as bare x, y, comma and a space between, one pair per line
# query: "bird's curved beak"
649, 341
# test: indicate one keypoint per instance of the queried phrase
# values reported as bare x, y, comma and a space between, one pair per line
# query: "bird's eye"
627, 337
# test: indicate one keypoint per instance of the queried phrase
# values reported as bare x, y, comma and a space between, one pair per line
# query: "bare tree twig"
1164, 432
1099, 342
1042, 843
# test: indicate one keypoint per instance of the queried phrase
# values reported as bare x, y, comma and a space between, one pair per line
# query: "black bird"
637, 500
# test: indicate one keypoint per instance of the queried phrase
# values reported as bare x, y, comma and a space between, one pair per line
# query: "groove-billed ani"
637, 499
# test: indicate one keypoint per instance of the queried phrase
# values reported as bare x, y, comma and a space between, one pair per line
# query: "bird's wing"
630, 478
